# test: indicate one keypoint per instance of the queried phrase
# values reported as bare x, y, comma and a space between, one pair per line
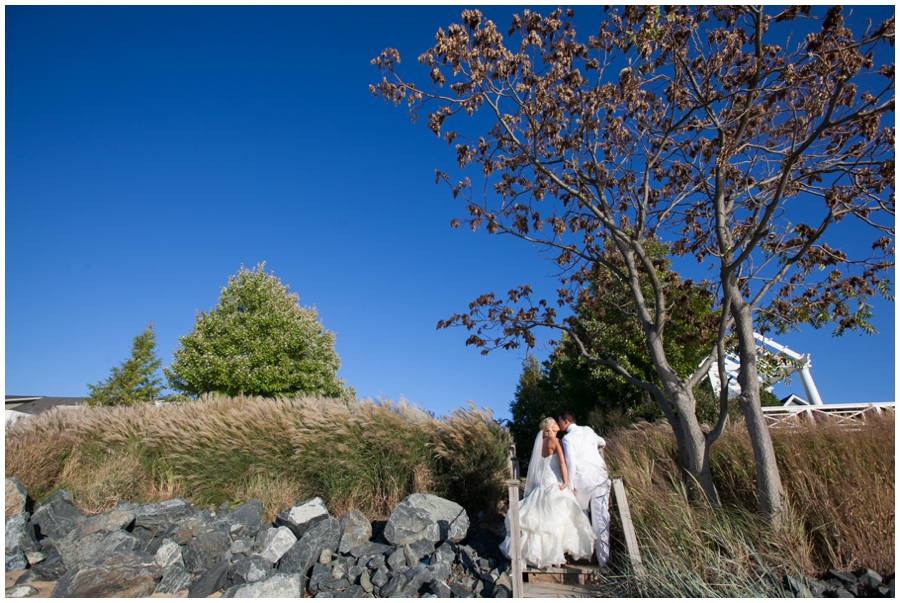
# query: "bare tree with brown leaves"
705, 128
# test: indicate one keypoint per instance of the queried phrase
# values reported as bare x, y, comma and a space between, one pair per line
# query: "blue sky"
151, 151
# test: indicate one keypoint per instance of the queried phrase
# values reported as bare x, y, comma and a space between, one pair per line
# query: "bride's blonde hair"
545, 424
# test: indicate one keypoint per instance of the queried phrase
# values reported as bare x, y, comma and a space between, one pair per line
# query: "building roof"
39, 404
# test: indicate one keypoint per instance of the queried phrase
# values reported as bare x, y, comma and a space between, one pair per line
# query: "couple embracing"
566, 481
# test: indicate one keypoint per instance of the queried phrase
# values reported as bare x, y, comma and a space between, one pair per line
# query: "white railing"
845, 414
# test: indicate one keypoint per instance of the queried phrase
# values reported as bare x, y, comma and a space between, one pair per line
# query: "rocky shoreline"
427, 548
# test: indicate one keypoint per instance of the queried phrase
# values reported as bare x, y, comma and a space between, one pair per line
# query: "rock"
241, 547
322, 580
16, 497
20, 534
78, 550
53, 566
306, 551
282, 586
56, 516
251, 569
394, 586
303, 516
440, 589
15, 560
380, 577
204, 551
325, 556
184, 529
842, 593
796, 587
111, 521
870, 579
817, 588
355, 530
355, 591
157, 517
468, 557
397, 559
210, 581
248, 515
169, 552
22, 590
418, 551
278, 543
421, 516
366, 582
460, 592
845, 577
417, 577
121, 575
34, 557
445, 553
174, 580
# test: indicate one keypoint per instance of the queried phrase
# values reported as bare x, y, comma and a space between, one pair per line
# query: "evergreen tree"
258, 341
135, 380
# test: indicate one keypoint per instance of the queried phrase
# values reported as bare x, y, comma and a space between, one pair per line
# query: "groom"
588, 477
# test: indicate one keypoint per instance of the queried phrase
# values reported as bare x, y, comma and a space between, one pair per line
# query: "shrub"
258, 341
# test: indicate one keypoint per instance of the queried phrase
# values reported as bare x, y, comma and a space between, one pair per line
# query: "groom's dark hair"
567, 415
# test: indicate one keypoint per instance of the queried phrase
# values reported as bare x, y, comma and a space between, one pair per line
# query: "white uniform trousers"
599, 515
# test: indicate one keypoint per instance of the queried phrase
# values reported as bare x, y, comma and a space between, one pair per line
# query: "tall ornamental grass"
365, 455
839, 512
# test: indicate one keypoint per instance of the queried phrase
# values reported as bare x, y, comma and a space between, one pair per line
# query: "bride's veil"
534, 463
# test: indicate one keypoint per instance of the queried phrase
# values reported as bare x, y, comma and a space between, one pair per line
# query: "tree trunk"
768, 481
692, 446
683, 419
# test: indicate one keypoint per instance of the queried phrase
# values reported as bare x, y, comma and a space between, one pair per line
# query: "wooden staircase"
569, 581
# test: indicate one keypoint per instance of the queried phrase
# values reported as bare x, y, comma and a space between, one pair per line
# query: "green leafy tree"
135, 380
258, 341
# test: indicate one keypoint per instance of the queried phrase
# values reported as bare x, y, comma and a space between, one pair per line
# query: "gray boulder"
20, 534
395, 586
278, 542
157, 517
168, 553
355, 530
250, 569
324, 535
870, 578
174, 580
15, 560
397, 560
56, 516
245, 520
78, 550
303, 515
16, 497
426, 516
122, 575
282, 586
205, 550
21, 590
212, 580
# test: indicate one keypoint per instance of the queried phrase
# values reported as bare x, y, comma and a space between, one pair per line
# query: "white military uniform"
589, 478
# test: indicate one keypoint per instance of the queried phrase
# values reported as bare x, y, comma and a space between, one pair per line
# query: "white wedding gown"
552, 521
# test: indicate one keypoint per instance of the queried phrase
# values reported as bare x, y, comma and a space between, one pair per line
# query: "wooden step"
542, 590
569, 574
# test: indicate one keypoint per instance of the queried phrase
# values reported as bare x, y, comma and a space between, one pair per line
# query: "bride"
552, 521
